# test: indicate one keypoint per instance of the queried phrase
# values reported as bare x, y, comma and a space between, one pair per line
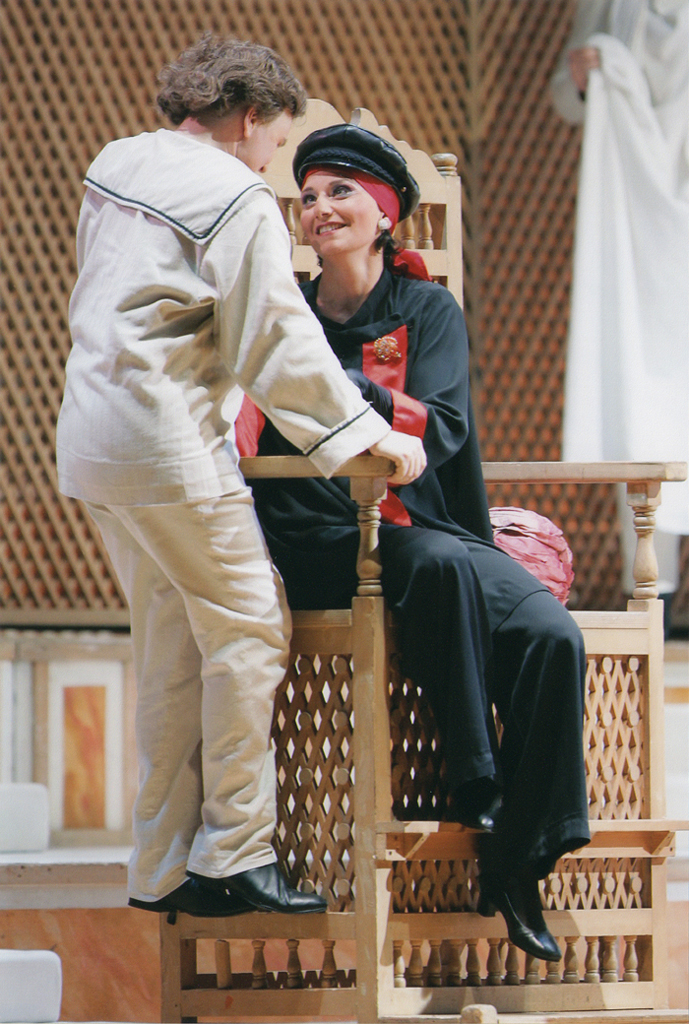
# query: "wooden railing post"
368, 492
644, 498
372, 787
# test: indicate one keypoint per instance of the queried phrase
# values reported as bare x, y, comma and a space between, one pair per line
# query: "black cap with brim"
348, 146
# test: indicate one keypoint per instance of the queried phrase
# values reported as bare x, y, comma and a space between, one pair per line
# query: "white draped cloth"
627, 373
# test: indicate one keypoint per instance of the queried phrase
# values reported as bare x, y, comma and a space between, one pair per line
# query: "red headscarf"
407, 262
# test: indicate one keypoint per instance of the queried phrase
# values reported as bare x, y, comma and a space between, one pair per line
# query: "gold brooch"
386, 348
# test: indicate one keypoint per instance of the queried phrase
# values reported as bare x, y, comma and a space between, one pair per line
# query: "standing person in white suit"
185, 301
625, 74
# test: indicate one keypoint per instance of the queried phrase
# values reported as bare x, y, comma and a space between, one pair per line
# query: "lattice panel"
313, 737
434, 887
614, 748
596, 885
79, 73
442, 887
468, 77
616, 757
418, 768
312, 732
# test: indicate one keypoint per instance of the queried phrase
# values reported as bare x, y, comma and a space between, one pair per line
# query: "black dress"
477, 629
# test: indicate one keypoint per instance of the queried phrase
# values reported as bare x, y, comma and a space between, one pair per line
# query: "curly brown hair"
216, 76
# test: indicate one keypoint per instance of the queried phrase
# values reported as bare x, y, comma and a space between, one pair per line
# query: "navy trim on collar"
194, 236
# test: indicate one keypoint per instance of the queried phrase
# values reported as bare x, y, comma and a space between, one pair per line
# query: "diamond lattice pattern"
468, 77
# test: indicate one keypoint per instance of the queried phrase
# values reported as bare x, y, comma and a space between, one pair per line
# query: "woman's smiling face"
337, 215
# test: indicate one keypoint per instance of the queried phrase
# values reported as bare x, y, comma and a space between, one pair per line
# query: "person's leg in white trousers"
210, 633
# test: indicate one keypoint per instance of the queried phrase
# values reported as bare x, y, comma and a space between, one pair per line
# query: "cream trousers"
210, 633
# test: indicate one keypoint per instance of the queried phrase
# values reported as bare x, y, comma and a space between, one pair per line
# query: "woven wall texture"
466, 76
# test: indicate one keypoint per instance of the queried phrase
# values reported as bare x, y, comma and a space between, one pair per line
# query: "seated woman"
477, 629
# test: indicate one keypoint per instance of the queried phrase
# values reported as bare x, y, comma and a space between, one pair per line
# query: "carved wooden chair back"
435, 228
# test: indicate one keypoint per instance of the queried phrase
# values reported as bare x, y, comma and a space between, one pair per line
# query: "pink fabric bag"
537, 544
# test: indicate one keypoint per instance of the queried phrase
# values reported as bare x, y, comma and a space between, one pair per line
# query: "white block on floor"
24, 817
30, 986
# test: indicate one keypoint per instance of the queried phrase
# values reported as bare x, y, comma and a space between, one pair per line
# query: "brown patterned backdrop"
468, 76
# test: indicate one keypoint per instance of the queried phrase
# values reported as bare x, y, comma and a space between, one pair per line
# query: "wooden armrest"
643, 480
263, 467
284, 466
368, 474
583, 472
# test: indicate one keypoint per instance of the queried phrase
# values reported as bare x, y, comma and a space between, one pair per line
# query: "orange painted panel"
84, 753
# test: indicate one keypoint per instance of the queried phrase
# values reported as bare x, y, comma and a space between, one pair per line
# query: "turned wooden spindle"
494, 964
223, 966
473, 964
552, 973
295, 978
290, 220
592, 975
453, 967
610, 964
400, 980
571, 975
329, 969
259, 974
644, 499
415, 970
425, 229
532, 970
631, 959
368, 493
434, 978
512, 965
407, 237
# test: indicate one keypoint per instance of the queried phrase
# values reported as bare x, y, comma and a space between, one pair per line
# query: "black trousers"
477, 631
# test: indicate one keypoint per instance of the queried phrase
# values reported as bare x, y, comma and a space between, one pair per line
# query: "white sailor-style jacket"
184, 301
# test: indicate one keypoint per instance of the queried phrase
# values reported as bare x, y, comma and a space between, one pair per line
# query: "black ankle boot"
519, 901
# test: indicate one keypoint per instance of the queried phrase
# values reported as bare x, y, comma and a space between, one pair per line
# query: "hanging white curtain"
627, 376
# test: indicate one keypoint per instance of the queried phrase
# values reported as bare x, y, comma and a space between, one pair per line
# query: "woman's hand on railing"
406, 451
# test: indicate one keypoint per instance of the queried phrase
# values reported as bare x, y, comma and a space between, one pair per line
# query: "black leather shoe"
265, 889
193, 898
519, 902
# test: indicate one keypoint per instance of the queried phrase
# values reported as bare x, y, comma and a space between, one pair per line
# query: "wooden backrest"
435, 228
